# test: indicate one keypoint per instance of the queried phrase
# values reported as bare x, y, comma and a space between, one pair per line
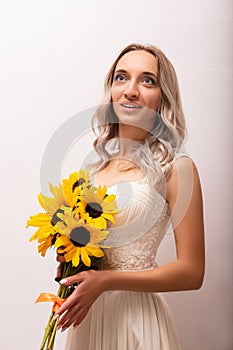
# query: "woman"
140, 136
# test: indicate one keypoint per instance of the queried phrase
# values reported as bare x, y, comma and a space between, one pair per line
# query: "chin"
141, 117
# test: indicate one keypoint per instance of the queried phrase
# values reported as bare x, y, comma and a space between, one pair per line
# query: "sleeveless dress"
129, 320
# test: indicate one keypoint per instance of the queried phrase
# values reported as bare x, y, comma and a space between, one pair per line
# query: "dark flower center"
80, 236
80, 182
94, 209
55, 218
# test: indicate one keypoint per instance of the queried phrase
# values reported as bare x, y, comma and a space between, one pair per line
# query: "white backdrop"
54, 56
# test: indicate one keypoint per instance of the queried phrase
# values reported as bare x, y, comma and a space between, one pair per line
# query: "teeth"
130, 106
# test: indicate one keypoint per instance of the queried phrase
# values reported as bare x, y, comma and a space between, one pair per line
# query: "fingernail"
63, 281
55, 317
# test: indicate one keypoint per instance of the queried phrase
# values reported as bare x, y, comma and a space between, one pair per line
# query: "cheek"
154, 100
116, 93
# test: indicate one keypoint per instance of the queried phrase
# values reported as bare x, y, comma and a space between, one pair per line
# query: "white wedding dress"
127, 320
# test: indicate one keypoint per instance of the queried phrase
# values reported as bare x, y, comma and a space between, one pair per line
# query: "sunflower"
46, 222
52, 206
44, 244
71, 187
46, 233
96, 203
79, 238
63, 195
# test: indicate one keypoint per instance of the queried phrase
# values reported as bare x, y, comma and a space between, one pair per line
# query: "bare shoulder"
184, 177
183, 163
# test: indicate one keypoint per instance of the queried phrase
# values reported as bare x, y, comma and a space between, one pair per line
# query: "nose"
131, 90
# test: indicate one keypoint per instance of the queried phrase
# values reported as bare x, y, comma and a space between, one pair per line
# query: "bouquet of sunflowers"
75, 221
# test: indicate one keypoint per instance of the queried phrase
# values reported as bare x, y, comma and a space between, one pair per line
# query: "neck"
129, 137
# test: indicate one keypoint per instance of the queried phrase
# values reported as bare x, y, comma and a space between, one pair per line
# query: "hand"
77, 305
60, 258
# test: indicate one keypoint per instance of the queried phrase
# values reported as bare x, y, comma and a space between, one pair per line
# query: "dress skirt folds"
128, 321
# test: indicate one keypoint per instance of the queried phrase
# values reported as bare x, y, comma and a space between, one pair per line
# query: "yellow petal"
76, 259
35, 236
58, 194
66, 250
40, 200
85, 258
70, 254
110, 198
50, 205
109, 206
61, 241
98, 222
95, 251
38, 220
109, 217
96, 238
42, 248
102, 191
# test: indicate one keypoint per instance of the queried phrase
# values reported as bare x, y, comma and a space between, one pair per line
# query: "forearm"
174, 276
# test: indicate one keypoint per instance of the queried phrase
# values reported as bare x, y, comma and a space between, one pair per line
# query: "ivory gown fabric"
126, 320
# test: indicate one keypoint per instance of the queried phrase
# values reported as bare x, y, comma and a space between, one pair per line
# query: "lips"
130, 105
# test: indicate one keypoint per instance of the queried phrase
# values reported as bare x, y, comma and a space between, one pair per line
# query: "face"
135, 89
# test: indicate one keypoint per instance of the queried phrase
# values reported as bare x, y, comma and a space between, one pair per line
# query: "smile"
130, 106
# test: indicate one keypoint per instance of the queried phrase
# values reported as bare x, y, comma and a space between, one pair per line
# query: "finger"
59, 270
79, 277
70, 301
67, 318
71, 316
79, 320
60, 258
76, 319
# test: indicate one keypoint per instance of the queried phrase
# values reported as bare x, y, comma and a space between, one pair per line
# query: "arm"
185, 273
185, 203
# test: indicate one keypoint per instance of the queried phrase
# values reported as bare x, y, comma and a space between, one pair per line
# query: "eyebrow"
143, 73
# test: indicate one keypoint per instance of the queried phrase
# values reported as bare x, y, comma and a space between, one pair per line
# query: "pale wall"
54, 56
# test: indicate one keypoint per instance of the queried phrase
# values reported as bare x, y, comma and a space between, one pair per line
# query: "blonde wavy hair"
169, 131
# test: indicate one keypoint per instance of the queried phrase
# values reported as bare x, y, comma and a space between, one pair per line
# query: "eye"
149, 81
120, 77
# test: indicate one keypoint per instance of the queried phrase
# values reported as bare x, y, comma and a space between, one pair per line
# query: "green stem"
50, 330
63, 292
51, 339
47, 332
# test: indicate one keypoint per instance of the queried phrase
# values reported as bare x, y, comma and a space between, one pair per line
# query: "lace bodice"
140, 227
